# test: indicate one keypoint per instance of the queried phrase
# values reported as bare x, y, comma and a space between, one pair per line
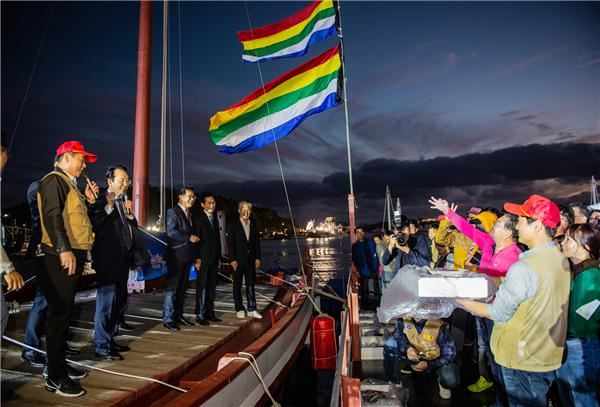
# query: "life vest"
426, 342
75, 217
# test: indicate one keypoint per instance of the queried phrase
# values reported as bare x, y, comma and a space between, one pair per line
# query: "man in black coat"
209, 247
112, 256
181, 253
243, 244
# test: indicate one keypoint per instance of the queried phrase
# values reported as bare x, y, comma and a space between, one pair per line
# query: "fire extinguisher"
323, 343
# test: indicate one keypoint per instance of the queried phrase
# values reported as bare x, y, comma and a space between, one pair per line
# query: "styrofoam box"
453, 287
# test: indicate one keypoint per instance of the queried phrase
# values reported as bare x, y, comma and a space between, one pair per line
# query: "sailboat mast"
142, 114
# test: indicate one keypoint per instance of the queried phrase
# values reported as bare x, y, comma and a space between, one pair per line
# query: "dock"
155, 351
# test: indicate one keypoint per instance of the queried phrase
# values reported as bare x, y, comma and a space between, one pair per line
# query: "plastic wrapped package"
401, 299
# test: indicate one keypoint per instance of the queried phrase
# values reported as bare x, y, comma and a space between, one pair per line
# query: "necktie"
210, 219
126, 229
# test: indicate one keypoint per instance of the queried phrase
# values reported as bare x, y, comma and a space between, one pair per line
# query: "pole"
142, 114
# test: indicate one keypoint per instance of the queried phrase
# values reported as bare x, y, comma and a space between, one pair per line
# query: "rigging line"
24, 282
181, 97
257, 293
163, 113
15, 342
152, 236
345, 79
28, 87
170, 110
254, 365
287, 197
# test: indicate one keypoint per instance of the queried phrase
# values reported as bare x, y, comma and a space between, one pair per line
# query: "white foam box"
453, 287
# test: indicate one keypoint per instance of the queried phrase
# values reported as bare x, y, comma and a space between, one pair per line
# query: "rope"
287, 197
163, 112
181, 96
152, 236
150, 379
28, 87
257, 293
254, 364
280, 279
170, 110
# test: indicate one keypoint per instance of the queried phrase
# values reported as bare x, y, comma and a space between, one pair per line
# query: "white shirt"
246, 227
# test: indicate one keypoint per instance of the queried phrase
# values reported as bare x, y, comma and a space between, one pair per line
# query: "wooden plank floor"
155, 351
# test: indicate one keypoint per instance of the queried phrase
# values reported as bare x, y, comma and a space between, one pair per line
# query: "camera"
401, 238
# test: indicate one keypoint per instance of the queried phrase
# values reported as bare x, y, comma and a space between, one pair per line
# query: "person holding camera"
398, 247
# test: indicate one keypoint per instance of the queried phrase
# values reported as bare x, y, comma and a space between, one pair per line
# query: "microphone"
127, 210
87, 180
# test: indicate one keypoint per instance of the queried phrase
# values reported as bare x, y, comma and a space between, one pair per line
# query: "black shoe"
171, 326
213, 318
109, 355
64, 387
184, 321
125, 327
202, 321
71, 351
33, 358
74, 373
119, 348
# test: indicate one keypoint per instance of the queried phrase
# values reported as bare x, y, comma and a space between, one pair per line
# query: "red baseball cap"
537, 207
75, 147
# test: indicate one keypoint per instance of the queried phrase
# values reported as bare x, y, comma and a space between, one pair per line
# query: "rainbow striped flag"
291, 36
272, 112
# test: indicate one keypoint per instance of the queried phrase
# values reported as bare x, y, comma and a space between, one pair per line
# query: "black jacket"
179, 231
110, 243
243, 250
209, 247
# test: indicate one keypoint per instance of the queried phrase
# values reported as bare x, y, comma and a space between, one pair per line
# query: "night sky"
476, 102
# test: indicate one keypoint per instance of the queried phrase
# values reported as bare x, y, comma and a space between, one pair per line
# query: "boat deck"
155, 351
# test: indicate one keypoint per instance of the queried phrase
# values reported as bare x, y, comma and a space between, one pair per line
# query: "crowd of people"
71, 227
541, 327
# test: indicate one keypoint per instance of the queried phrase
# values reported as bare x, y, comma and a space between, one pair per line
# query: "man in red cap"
530, 308
66, 239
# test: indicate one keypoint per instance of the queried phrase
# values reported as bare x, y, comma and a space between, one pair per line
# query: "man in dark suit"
209, 247
243, 245
181, 253
112, 256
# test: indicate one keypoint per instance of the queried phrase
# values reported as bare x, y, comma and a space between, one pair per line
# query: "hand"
89, 192
439, 204
420, 367
234, 265
194, 239
412, 354
68, 262
257, 264
110, 199
14, 281
198, 264
393, 241
129, 209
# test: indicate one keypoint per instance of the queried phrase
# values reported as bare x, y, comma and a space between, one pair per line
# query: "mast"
594, 198
142, 114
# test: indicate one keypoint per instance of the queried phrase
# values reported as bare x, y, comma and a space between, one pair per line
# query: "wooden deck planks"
155, 351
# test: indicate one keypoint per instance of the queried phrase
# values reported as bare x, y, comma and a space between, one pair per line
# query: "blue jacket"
419, 255
364, 258
444, 341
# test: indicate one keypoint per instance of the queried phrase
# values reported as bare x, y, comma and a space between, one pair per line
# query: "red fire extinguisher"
323, 344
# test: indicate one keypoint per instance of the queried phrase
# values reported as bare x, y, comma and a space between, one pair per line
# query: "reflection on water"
328, 256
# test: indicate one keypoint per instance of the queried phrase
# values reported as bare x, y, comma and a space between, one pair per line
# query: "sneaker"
445, 394
254, 314
241, 314
74, 374
33, 358
480, 385
64, 387
406, 371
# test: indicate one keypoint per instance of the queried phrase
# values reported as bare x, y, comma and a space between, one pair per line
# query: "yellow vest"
533, 339
425, 342
75, 217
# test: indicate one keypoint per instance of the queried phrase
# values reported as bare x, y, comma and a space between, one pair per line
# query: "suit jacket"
209, 247
243, 250
179, 230
110, 243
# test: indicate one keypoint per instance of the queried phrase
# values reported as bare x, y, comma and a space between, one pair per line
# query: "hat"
594, 207
487, 219
75, 147
537, 207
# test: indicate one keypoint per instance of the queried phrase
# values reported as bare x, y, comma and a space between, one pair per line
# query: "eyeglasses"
124, 181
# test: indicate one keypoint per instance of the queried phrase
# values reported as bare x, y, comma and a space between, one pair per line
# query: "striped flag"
289, 37
272, 112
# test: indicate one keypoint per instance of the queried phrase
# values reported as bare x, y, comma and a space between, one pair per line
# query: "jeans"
579, 376
386, 279
484, 332
449, 376
391, 361
526, 388
36, 321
